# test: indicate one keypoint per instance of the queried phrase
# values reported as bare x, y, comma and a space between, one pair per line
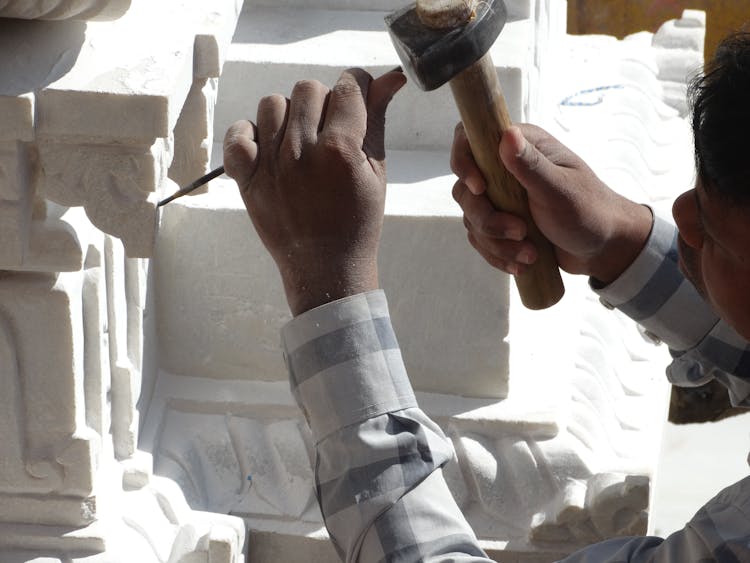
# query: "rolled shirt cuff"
344, 363
654, 292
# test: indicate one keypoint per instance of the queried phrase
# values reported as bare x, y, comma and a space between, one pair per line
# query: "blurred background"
622, 17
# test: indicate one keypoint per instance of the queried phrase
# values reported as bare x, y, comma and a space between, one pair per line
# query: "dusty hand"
594, 230
312, 176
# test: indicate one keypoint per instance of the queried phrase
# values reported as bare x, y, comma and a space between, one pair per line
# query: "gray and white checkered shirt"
378, 456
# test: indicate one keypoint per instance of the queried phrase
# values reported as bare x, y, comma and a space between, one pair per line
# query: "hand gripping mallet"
449, 40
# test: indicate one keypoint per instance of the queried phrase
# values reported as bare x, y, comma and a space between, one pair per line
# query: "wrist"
307, 288
626, 241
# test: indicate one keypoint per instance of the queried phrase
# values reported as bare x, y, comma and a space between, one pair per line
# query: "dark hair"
720, 101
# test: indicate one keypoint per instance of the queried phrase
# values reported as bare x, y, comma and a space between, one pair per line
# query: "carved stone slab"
91, 111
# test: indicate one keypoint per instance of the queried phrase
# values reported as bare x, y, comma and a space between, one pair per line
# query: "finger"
507, 250
550, 147
241, 152
485, 219
462, 161
306, 105
379, 95
346, 114
272, 116
540, 163
508, 266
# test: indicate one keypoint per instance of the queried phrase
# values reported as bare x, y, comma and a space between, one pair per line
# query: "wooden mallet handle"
485, 117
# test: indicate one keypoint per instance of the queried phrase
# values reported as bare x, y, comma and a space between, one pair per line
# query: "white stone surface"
48, 450
270, 42
63, 9
570, 469
193, 133
61, 490
102, 117
247, 304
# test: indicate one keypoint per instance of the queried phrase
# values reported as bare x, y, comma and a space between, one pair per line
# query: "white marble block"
270, 43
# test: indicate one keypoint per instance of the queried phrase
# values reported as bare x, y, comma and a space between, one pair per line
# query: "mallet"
449, 40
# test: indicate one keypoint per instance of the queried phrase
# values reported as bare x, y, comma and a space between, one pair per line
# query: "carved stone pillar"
87, 137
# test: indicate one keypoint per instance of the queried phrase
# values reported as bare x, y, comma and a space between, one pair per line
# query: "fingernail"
513, 235
515, 133
525, 257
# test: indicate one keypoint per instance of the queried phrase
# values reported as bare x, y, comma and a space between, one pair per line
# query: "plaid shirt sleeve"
719, 532
378, 456
378, 459
654, 293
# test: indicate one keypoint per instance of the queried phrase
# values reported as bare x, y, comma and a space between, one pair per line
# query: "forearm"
378, 456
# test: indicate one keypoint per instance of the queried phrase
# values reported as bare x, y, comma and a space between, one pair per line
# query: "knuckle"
308, 87
231, 136
291, 152
531, 156
347, 90
338, 145
457, 162
238, 131
459, 189
357, 74
484, 222
271, 101
496, 262
271, 106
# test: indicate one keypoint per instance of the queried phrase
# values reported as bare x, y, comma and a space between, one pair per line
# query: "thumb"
379, 95
241, 152
522, 159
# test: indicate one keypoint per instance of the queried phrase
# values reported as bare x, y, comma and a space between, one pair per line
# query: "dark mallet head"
432, 56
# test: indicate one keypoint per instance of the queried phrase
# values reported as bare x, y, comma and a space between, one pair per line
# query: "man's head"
714, 218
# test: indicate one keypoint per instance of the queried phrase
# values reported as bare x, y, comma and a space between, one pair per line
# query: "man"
312, 177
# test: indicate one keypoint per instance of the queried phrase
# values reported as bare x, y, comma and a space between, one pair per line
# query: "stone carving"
555, 446
114, 157
63, 9
86, 141
679, 54
160, 392
13, 401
